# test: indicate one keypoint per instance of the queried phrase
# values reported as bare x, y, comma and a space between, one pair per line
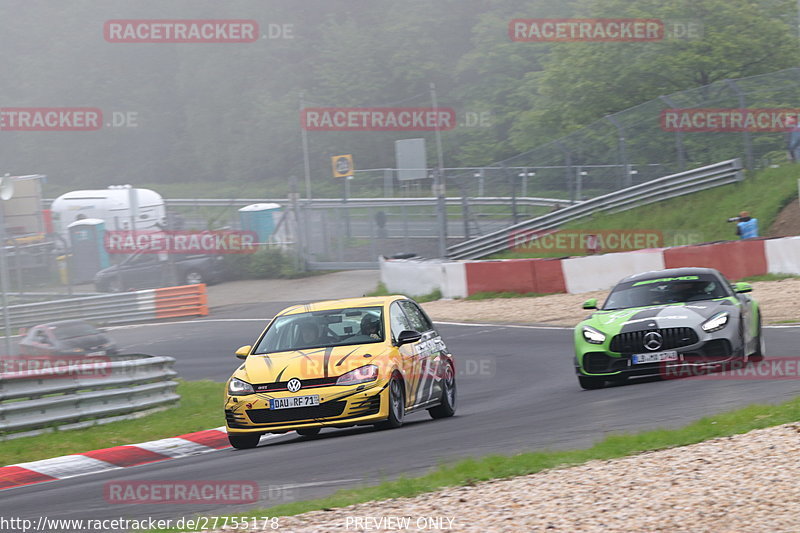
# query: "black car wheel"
193, 277
114, 285
308, 432
397, 404
758, 355
448, 405
243, 442
591, 383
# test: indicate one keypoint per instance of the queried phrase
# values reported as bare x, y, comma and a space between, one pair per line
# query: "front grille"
370, 406
633, 342
594, 362
307, 384
234, 420
270, 416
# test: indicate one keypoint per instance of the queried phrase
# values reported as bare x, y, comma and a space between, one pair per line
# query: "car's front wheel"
758, 355
591, 383
397, 404
448, 405
193, 277
245, 441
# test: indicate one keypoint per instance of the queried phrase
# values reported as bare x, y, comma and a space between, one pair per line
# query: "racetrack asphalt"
517, 392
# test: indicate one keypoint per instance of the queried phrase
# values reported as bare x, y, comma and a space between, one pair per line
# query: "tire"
397, 404
591, 383
245, 441
193, 277
307, 432
758, 355
115, 285
448, 406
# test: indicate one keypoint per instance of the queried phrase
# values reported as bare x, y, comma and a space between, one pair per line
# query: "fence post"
623, 152
746, 141
679, 147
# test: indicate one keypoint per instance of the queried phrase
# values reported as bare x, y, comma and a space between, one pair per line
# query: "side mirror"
243, 352
591, 303
742, 287
408, 336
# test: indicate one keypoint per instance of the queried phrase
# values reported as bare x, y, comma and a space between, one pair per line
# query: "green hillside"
698, 217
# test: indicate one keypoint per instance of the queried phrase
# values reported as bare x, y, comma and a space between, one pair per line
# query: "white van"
112, 205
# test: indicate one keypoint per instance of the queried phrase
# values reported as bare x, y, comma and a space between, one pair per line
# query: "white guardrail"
646, 193
115, 308
324, 203
42, 394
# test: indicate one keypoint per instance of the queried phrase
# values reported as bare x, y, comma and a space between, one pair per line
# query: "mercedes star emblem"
652, 341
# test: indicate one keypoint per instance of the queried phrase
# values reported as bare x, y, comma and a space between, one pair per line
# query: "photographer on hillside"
746, 226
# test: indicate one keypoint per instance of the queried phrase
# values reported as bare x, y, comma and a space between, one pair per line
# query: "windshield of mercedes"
658, 291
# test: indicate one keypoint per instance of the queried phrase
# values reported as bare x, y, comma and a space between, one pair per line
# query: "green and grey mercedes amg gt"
656, 322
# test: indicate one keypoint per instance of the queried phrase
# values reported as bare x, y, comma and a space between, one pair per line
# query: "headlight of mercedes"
237, 387
716, 322
593, 336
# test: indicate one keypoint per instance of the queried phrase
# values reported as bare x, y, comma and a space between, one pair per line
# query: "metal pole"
748, 143
465, 209
623, 153
9, 349
439, 181
678, 137
306, 163
388, 185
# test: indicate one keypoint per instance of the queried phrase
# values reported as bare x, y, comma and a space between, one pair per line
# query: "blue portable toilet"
261, 219
89, 253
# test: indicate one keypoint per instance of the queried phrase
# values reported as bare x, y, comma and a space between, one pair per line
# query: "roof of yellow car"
344, 303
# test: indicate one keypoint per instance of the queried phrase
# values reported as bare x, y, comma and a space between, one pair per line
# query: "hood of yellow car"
311, 364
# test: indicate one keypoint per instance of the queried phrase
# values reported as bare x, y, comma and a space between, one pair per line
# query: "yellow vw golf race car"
337, 364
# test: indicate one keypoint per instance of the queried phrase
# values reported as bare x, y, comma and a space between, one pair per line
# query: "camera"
734, 219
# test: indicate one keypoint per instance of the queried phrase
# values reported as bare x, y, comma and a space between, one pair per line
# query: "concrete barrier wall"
412, 278
783, 255
457, 279
454, 284
600, 272
735, 259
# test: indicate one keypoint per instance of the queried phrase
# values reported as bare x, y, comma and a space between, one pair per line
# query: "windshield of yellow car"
323, 329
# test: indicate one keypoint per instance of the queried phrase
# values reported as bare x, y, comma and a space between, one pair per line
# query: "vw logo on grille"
294, 384
653, 340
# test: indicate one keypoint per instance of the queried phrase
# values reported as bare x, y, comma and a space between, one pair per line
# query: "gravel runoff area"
778, 300
744, 483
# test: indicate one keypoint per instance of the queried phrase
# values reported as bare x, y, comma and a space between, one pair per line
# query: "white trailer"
121, 207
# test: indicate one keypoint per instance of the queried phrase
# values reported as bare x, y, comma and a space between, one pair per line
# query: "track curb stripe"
105, 459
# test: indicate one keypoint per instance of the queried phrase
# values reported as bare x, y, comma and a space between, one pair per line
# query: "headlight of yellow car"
361, 374
237, 387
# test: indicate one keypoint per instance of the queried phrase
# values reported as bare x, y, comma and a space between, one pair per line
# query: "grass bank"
200, 408
698, 217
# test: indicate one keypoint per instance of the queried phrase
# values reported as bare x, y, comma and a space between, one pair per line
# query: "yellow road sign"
342, 165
